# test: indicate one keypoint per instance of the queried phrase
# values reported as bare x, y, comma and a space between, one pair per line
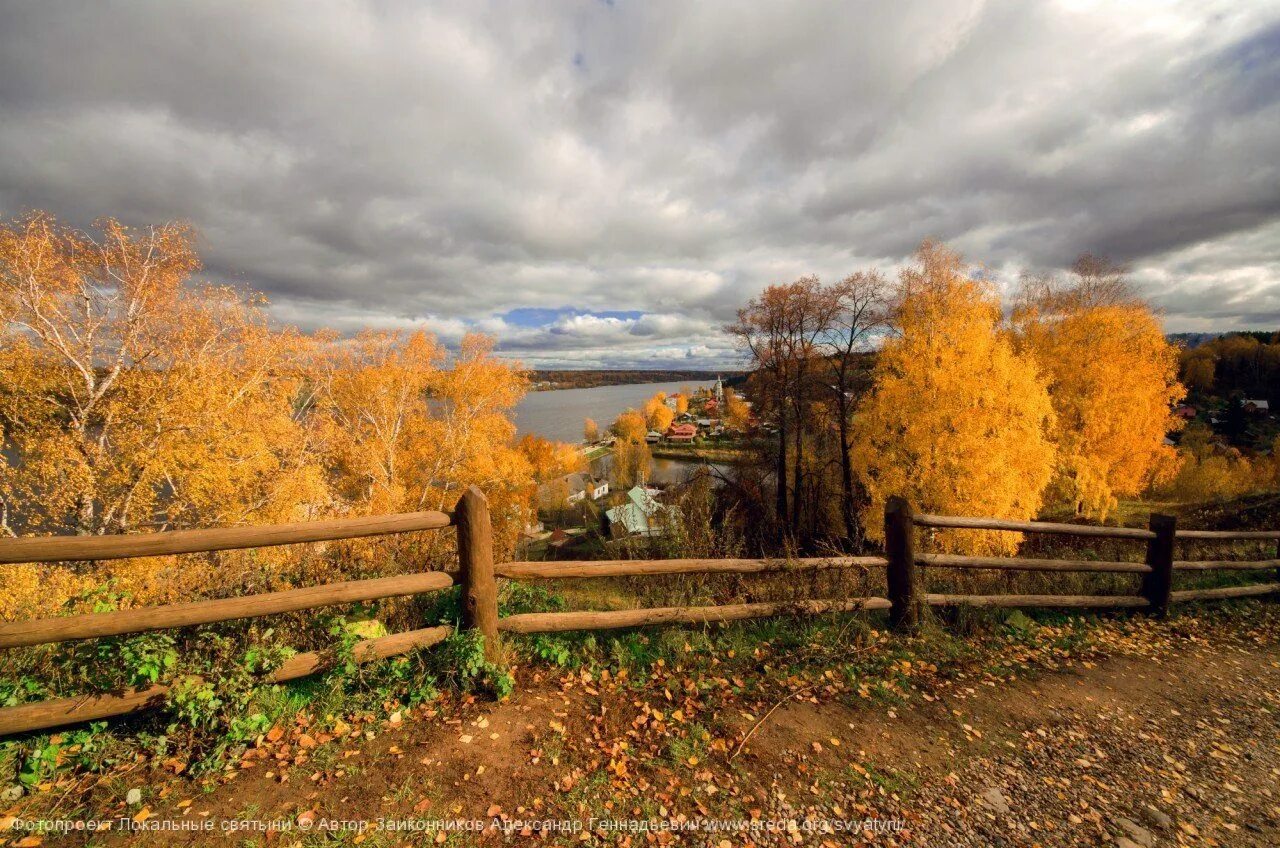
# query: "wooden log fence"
88, 548
478, 573
47, 631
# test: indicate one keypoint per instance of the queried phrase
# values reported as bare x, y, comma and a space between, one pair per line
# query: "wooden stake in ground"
900, 549
1157, 586
475, 555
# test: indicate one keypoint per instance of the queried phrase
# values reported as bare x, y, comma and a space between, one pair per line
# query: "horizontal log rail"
51, 630
955, 522
59, 712
555, 622
1028, 564
1227, 592
1225, 565
652, 567
86, 548
1229, 535
364, 651
1119, 601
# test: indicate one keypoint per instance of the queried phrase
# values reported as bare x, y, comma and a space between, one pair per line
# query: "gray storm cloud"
405, 164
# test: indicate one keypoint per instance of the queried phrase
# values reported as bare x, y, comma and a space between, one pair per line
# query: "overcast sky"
602, 184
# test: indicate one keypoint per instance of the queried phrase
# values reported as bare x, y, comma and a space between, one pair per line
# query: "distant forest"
1243, 364
588, 379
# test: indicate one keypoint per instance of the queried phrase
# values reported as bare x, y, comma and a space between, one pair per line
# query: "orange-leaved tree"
549, 460
631, 457
956, 421
1112, 377
658, 416
410, 427
630, 426
737, 413
132, 399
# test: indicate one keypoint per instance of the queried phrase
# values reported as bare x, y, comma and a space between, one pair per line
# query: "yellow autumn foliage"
737, 414
1112, 378
956, 421
658, 416
132, 400
630, 426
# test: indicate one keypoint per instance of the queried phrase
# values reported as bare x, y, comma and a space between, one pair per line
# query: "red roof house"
682, 432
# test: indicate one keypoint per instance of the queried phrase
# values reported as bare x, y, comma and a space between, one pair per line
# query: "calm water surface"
559, 414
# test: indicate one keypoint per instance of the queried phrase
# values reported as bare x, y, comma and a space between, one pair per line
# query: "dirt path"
1180, 750
1128, 752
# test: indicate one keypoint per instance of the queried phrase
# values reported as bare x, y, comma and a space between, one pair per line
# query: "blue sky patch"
530, 316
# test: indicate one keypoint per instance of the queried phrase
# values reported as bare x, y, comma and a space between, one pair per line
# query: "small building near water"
639, 515
682, 432
574, 488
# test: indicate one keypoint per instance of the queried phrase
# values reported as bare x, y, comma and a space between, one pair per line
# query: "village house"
640, 515
682, 433
575, 488
653, 437
1257, 406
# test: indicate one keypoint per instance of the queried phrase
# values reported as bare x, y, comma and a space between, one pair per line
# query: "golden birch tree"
956, 421
1112, 378
131, 399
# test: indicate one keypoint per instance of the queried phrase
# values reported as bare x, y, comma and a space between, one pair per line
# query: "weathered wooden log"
1225, 565
42, 631
1158, 582
58, 712
1229, 534
43, 715
552, 622
368, 650
84, 548
1020, 564
965, 523
1226, 592
900, 571
647, 567
475, 556
1036, 600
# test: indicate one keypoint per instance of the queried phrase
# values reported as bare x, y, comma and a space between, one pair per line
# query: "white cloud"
400, 165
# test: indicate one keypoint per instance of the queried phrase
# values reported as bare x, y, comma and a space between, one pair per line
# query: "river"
559, 414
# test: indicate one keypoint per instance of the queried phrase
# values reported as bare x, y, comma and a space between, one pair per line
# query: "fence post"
900, 550
475, 556
1157, 586
1276, 577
